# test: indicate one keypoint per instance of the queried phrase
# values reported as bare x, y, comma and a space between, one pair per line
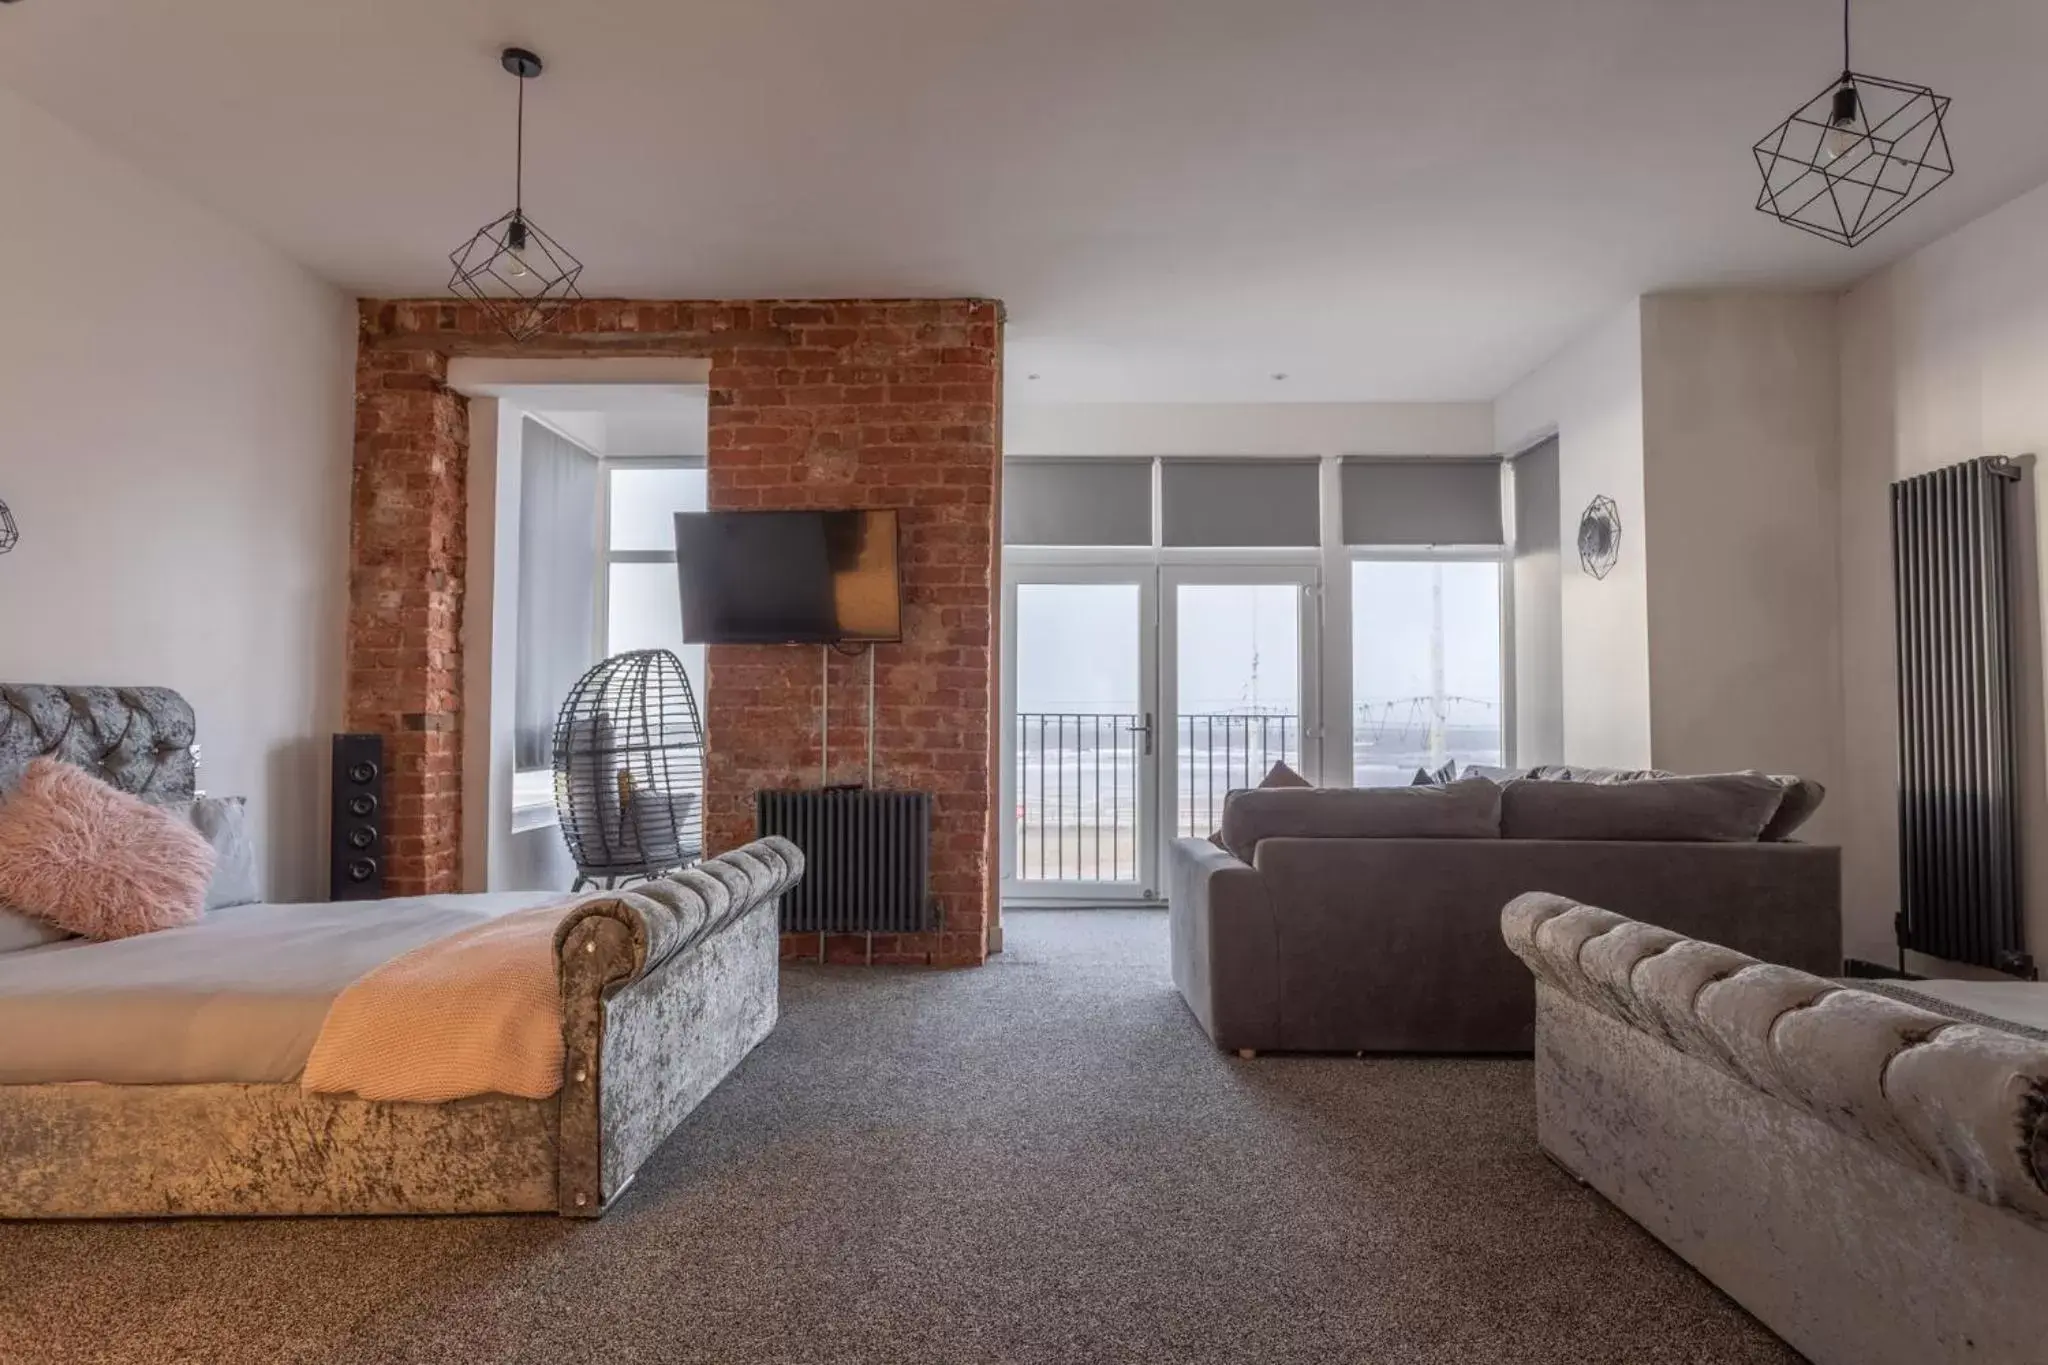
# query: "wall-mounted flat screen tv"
767, 578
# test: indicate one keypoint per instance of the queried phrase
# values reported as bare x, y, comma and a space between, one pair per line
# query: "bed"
159, 1075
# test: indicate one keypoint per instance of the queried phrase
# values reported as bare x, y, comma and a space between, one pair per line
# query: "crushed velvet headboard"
138, 739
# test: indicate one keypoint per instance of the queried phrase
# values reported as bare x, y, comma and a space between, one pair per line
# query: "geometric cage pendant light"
1855, 156
519, 275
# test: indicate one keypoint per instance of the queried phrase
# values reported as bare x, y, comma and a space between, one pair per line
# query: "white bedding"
2020, 1002
240, 996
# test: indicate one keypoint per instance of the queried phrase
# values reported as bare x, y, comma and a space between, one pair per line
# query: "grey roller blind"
1077, 502
1422, 502
557, 585
1239, 502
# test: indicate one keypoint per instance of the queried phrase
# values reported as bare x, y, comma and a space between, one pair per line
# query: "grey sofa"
1391, 943
1868, 1176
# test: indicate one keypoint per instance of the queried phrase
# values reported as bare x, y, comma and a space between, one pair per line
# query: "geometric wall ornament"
1599, 536
1855, 156
516, 273
10, 534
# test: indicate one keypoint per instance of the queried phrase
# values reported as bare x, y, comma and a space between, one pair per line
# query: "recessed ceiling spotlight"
1031, 376
1279, 375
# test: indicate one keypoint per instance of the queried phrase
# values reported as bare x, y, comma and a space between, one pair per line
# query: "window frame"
607, 555
1503, 558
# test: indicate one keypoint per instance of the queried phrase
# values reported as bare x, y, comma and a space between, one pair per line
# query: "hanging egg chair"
629, 770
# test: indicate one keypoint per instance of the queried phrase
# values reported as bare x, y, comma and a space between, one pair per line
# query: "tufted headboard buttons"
136, 739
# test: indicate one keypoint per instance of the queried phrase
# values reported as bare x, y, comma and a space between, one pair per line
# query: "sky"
1239, 645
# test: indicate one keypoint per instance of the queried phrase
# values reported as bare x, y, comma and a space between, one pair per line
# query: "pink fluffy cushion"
84, 857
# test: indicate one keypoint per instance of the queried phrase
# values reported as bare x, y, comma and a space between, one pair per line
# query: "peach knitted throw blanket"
476, 1013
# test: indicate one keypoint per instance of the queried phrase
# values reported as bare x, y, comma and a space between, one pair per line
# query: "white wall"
1741, 466
1944, 358
1591, 397
175, 427
1538, 571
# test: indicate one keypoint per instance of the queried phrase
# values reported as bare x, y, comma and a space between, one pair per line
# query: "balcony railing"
1078, 784
1077, 795
1219, 753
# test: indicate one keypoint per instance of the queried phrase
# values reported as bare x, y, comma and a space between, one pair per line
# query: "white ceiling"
1380, 199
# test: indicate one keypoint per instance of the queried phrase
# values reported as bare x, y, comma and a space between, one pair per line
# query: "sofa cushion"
1492, 774
1456, 810
1436, 777
1280, 775
1277, 776
1724, 808
1803, 796
1579, 772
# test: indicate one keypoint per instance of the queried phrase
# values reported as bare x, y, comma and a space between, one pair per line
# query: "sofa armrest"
1224, 944
1963, 1103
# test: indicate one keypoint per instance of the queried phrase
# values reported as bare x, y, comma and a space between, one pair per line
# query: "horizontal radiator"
867, 858
1959, 879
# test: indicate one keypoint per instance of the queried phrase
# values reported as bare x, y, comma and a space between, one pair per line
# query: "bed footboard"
665, 989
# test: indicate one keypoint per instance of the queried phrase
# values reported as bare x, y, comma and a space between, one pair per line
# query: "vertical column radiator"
1959, 883
867, 858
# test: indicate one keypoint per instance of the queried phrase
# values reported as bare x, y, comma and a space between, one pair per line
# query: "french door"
1134, 697
1240, 654
1080, 683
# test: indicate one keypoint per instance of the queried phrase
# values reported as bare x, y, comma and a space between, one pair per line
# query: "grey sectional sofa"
1866, 1175
1336, 920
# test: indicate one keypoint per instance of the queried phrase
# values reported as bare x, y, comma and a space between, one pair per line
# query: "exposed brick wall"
406, 557
838, 403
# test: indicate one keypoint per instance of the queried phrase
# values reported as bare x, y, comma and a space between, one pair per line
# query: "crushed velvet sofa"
1295, 937
665, 988
1867, 1176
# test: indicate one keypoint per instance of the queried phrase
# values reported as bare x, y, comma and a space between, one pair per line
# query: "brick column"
406, 562
872, 404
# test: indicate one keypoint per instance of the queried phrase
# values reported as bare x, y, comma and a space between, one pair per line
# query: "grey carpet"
1043, 1160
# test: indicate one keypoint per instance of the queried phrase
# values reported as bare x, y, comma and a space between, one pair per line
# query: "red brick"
842, 403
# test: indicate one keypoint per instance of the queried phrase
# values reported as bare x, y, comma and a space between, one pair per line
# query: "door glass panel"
1079, 731
1425, 667
1238, 685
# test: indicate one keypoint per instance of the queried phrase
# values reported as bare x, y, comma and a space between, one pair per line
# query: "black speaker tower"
355, 865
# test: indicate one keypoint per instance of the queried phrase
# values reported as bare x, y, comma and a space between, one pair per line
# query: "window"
1425, 666
557, 608
643, 604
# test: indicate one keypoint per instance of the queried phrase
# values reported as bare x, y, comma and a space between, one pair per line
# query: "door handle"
1146, 730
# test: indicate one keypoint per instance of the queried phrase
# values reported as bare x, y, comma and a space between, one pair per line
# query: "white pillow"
18, 931
224, 823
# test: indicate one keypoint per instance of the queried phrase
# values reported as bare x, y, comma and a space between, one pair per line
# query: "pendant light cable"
519, 148
1846, 68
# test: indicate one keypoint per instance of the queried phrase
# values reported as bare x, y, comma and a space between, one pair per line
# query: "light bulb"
1840, 138
1842, 134
515, 250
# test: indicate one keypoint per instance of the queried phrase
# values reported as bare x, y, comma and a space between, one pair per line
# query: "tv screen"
763, 578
